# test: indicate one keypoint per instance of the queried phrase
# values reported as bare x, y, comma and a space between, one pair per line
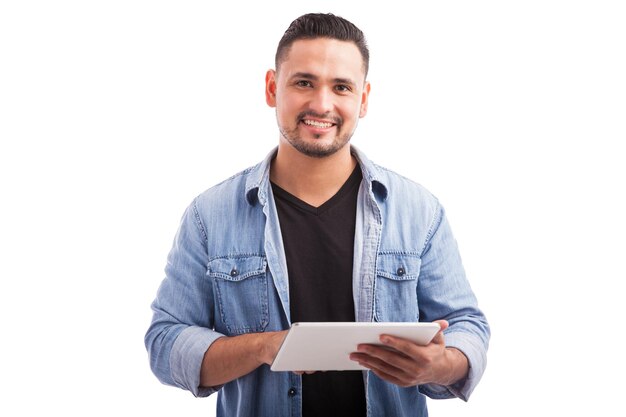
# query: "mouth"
319, 124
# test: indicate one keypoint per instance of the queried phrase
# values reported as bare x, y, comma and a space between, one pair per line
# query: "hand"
229, 358
270, 345
406, 364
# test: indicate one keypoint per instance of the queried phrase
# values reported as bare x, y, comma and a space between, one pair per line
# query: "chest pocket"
395, 293
240, 286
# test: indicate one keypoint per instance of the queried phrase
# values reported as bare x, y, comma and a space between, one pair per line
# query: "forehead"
325, 58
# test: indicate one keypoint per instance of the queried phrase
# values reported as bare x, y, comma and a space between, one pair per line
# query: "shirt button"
400, 271
234, 272
292, 392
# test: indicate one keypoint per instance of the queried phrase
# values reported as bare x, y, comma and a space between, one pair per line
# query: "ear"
270, 88
364, 99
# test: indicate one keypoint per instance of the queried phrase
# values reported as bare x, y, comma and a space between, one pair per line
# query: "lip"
320, 126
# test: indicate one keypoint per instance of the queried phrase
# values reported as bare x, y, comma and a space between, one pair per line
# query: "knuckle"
427, 360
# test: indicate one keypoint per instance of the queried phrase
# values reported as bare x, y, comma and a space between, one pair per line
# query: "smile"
316, 123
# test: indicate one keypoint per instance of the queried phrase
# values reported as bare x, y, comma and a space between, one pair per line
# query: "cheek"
351, 112
287, 106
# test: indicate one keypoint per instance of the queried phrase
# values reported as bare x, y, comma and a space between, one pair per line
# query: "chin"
317, 150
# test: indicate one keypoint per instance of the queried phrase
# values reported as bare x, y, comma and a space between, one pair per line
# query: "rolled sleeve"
472, 347
186, 359
445, 294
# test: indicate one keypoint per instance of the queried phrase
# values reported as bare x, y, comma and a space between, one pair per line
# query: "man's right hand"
270, 344
229, 358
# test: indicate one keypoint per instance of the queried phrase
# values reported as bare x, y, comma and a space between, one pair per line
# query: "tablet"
327, 346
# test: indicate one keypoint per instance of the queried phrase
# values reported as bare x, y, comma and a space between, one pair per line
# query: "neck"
312, 180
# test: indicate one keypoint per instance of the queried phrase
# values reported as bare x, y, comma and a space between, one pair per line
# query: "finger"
356, 356
439, 337
443, 324
392, 357
375, 364
390, 378
406, 348
304, 372
409, 348
403, 371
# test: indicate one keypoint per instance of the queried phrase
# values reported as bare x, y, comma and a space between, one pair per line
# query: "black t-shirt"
319, 246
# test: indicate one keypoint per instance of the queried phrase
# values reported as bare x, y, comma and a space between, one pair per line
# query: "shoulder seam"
198, 220
434, 225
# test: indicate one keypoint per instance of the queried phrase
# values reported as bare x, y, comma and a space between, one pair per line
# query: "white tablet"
327, 346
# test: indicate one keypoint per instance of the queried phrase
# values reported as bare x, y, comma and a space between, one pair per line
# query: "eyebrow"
312, 77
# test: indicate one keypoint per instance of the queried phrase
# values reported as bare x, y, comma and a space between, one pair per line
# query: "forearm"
229, 358
458, 367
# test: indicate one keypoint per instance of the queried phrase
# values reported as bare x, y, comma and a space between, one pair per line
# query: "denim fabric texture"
226, 275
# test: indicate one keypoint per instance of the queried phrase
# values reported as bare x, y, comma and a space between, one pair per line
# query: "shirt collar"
257, 183
372, 174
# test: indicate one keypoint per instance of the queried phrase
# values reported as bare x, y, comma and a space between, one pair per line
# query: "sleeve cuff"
471, 346
186, 359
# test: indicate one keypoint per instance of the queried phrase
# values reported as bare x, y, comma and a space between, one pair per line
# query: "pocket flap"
398, 266
236, 268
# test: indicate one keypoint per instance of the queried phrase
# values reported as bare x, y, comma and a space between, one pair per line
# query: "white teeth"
315, 123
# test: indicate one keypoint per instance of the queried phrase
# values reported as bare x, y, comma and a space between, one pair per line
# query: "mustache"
326, 116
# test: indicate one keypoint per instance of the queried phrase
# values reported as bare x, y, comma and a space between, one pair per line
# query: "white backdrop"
114, 115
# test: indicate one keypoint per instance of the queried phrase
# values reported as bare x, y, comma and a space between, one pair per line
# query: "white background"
114, 115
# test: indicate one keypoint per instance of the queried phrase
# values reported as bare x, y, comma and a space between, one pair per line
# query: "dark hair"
321, 25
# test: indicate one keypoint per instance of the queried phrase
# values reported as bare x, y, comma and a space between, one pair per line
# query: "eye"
342, 88
303, 83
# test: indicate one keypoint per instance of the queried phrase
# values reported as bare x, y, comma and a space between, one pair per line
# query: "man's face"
319, 93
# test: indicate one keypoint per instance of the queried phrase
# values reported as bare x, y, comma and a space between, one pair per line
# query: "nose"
322, 101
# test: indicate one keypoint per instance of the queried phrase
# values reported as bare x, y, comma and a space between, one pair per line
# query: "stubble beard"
315, 150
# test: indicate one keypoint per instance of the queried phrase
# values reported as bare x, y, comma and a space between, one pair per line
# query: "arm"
231, 357
182, 324
444, 293
184, 350
452, 364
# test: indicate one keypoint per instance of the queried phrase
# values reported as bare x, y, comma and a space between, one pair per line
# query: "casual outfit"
319, 248
229, 272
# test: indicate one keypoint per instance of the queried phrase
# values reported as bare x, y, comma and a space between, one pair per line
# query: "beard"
315, 149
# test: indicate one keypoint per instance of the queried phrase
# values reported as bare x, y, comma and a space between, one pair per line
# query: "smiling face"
319, 93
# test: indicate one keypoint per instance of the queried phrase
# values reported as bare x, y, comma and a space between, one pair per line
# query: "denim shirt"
226, 275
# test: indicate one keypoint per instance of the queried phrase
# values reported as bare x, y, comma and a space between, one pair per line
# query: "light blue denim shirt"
226, 275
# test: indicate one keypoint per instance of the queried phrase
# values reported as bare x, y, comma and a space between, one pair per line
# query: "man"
315, 232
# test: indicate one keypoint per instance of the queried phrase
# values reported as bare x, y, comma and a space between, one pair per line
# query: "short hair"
322, 25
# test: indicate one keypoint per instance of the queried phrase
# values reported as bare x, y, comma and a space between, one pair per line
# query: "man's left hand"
406, 364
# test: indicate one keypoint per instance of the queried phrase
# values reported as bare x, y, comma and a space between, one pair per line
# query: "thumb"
439, 338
